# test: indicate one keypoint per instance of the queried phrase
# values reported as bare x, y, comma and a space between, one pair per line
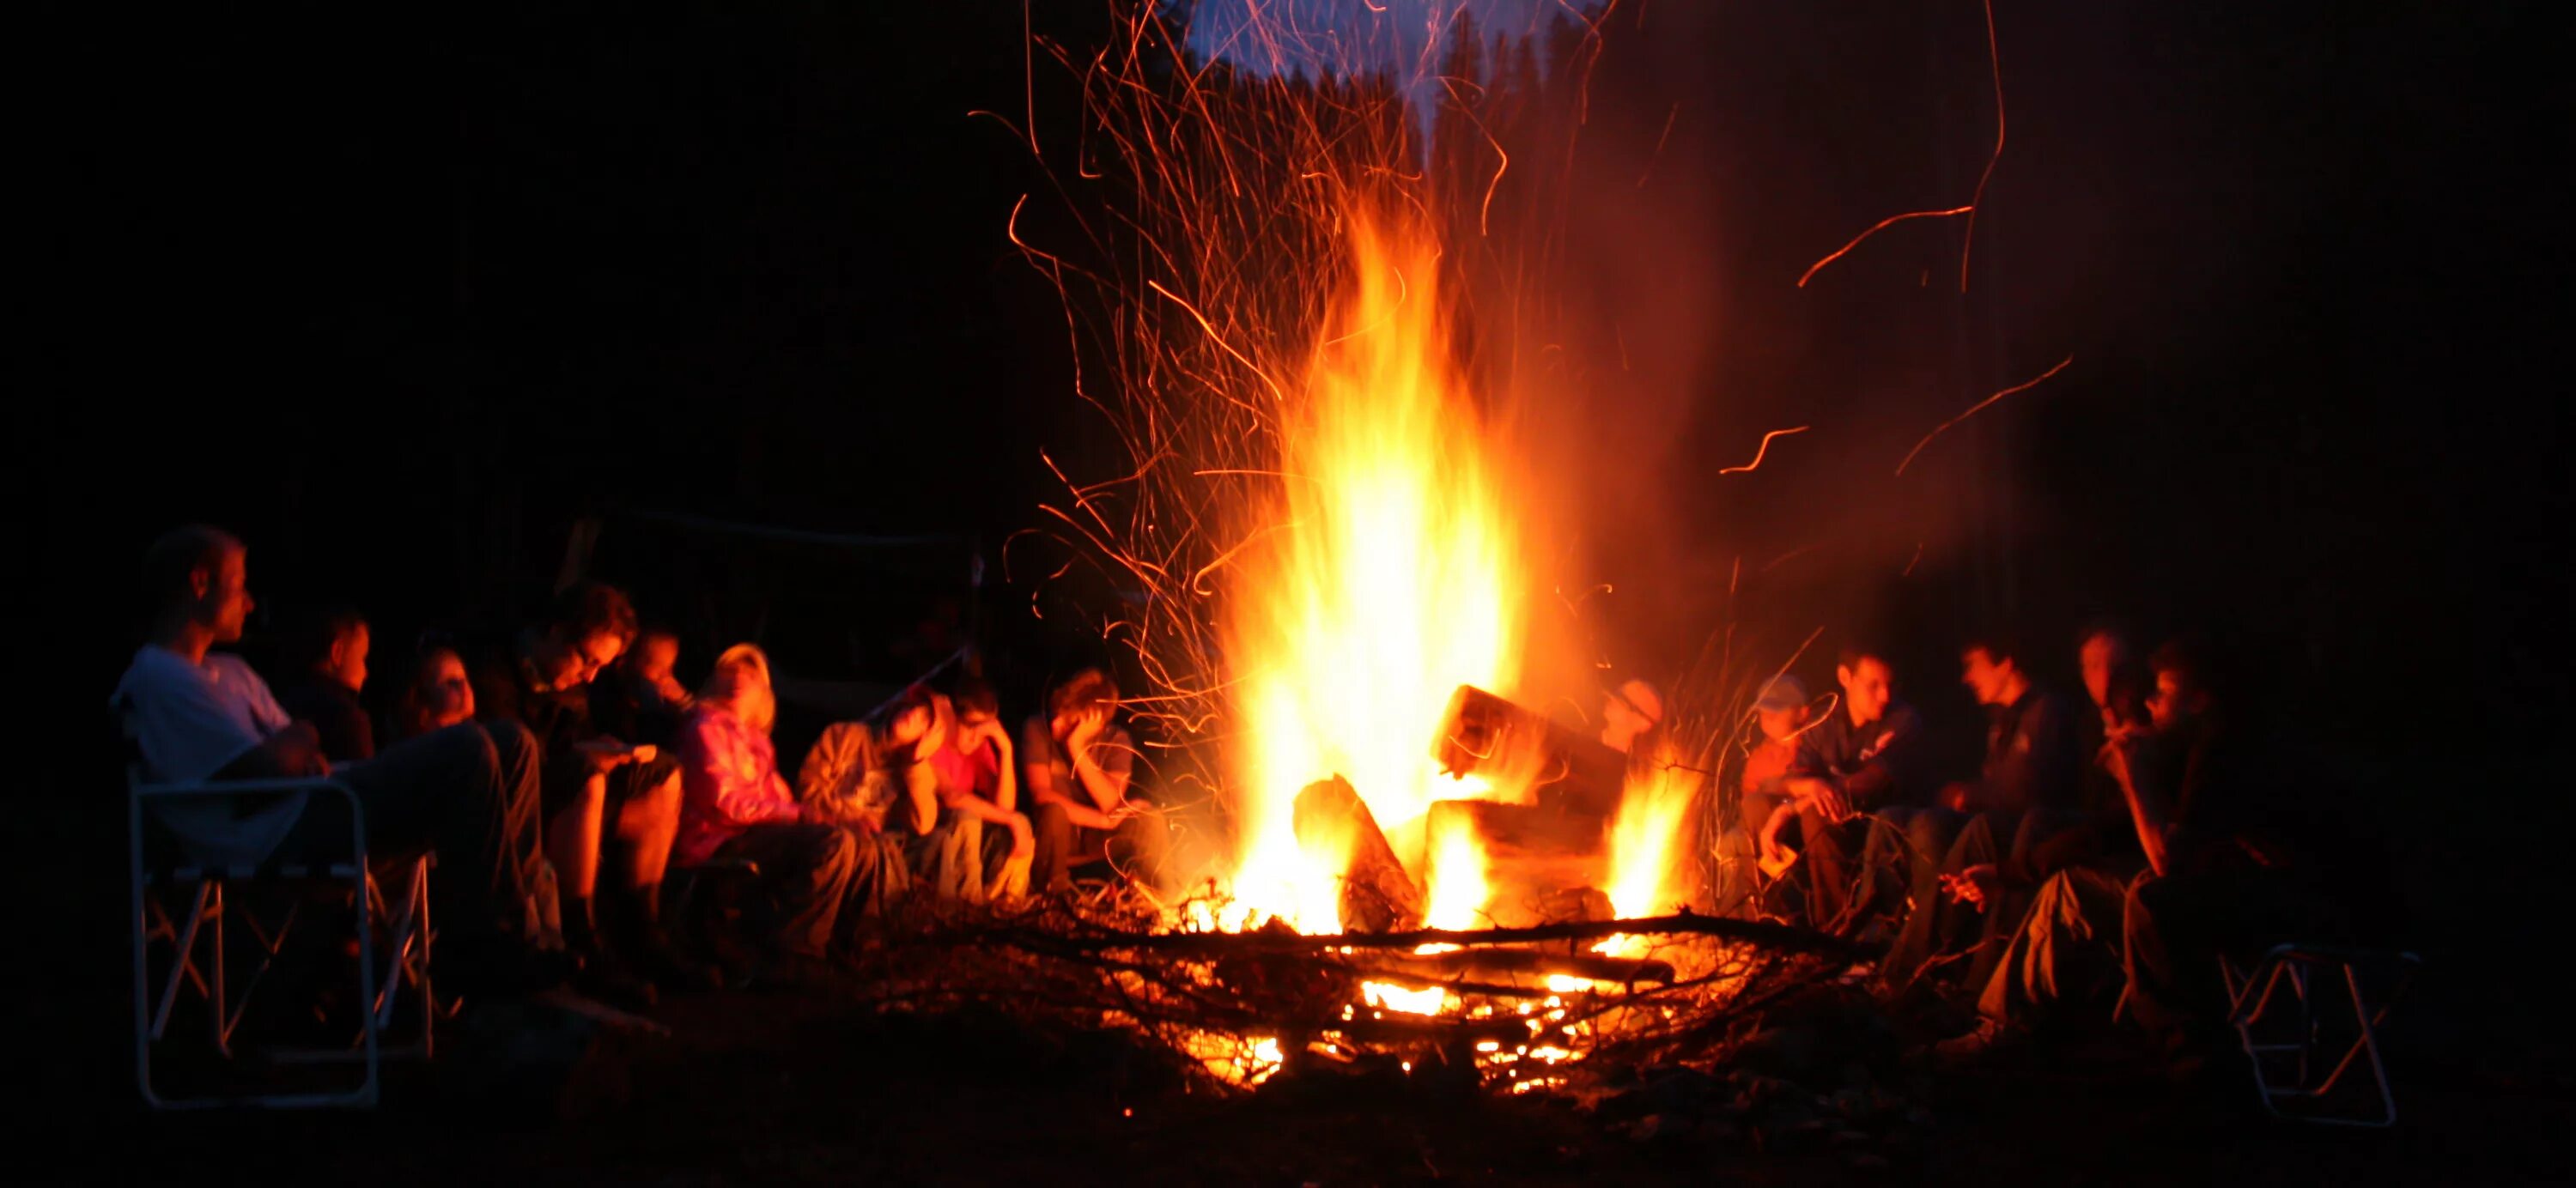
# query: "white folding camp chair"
203, 873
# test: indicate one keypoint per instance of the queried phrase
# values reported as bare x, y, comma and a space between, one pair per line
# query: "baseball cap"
1783, 692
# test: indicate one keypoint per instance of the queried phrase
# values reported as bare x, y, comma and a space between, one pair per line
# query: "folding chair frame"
2252, 995
205, 922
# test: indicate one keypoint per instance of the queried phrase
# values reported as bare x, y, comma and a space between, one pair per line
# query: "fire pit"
1328, 551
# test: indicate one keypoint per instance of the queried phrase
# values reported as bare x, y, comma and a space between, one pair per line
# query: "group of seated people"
560, 770
2121, 850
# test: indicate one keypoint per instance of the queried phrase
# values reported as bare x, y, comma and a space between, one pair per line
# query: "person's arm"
2147, 812
921, 794
1023, 839
1006, 767
1039, 775
1101, 761
294, 752
1881, 780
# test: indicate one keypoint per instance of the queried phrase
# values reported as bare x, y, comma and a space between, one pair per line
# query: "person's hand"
605, 753
1088, 726
1823, 797
1128, 809
1086, 817
298, 749
1955, 798
1974, 886
992, 731
1024, 841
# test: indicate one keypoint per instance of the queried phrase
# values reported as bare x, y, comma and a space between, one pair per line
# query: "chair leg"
271, 943
183, 967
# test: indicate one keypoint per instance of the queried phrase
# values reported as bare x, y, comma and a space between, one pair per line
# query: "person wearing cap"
1780, 712
1858, 785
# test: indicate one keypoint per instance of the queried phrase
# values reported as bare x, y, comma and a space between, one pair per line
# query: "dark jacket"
1880, 764
347, 733
2031, 755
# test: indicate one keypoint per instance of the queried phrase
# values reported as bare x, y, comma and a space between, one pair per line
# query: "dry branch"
1219, 944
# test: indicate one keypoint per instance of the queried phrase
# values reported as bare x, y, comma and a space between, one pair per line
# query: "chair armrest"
246, 787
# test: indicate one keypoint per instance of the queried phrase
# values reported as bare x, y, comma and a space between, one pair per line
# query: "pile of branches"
1243, 1008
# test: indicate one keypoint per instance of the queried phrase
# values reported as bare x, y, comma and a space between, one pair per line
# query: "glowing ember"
1245, 1061
1380, 579
1429, 1000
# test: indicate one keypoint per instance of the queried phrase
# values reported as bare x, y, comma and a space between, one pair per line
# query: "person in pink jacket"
735, 806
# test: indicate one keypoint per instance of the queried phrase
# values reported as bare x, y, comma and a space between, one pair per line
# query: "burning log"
1575, 776
1503, 963
1377, 895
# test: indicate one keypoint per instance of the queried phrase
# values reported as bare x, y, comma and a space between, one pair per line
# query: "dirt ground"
803, 1088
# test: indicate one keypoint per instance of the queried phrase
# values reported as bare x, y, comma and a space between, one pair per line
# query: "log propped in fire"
1377, 895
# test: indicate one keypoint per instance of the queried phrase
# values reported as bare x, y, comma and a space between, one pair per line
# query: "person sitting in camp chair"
198, 715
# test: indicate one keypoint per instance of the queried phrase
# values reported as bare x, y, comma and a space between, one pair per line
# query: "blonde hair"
740, 683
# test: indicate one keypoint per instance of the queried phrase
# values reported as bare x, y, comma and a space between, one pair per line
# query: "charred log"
1377, 895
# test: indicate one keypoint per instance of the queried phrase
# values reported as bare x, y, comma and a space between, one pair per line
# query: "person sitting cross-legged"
1078, 765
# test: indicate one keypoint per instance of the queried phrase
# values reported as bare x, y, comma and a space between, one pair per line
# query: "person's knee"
661, 802
582, 798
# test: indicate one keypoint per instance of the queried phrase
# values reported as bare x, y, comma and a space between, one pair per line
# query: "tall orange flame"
1386, 575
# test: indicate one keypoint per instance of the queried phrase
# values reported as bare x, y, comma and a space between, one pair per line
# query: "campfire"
1328, 556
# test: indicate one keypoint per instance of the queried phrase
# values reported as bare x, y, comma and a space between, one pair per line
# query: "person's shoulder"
229, 669
151, 669
150, 661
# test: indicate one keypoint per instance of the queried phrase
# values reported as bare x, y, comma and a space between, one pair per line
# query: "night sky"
397, 292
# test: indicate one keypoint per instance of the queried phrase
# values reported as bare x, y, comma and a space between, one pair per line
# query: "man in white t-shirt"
194, 715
